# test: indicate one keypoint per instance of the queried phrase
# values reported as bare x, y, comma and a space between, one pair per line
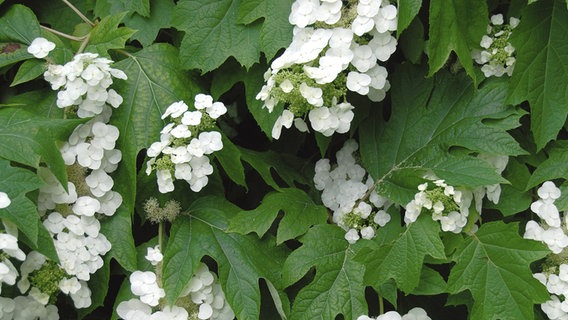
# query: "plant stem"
64, 35
79, 13
381, 305
160, 232
84, 43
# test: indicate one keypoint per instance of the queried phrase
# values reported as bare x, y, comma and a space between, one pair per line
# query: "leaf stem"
64, 35
381, 305
79, 13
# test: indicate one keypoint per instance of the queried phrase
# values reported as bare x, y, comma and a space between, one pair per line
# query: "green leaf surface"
155, 80
29, 70
337, 287
455, 25
541, 68
276, 31
29, 139
407, 10
57, 14
16, 182
288, 167
212, 34
142, 7
202, 233
118, 230
230, 159
403, 258
11, 52
19, 24
149, 27
108, 35
493, 264
458, 116
431, 283
412, 41
300, 213
552, 168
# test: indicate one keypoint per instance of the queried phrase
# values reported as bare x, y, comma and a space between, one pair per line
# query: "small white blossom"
40, 47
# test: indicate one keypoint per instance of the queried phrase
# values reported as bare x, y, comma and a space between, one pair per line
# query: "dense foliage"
294, 159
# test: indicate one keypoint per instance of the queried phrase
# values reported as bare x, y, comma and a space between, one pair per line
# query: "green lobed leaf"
108, 35
402, 259
455, 25
494, 265
407, 10
16, 182
541, 67
29, 70
212, 34
407, 146
337, 287
552, 168
147, 27
300, 213
29, 139
276, 31
19, 24
142, 7
288, 167
242, 260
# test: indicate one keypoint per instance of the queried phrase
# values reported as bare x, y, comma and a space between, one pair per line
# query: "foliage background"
439, 114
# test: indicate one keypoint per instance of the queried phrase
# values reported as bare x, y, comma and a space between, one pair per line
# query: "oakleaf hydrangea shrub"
144, 173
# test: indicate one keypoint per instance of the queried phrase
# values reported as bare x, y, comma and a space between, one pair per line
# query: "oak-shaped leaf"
337, 287
242, 259
438, 125
403, 258
212, 34
494, 265
300, 213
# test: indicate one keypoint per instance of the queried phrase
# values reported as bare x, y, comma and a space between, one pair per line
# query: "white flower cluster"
497, 55
71, 214
557, 285
446, 204
347, 191
415, 313
203, 289
26, 308
185, 142
336, 46
10, 248
84, 83
551, 231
